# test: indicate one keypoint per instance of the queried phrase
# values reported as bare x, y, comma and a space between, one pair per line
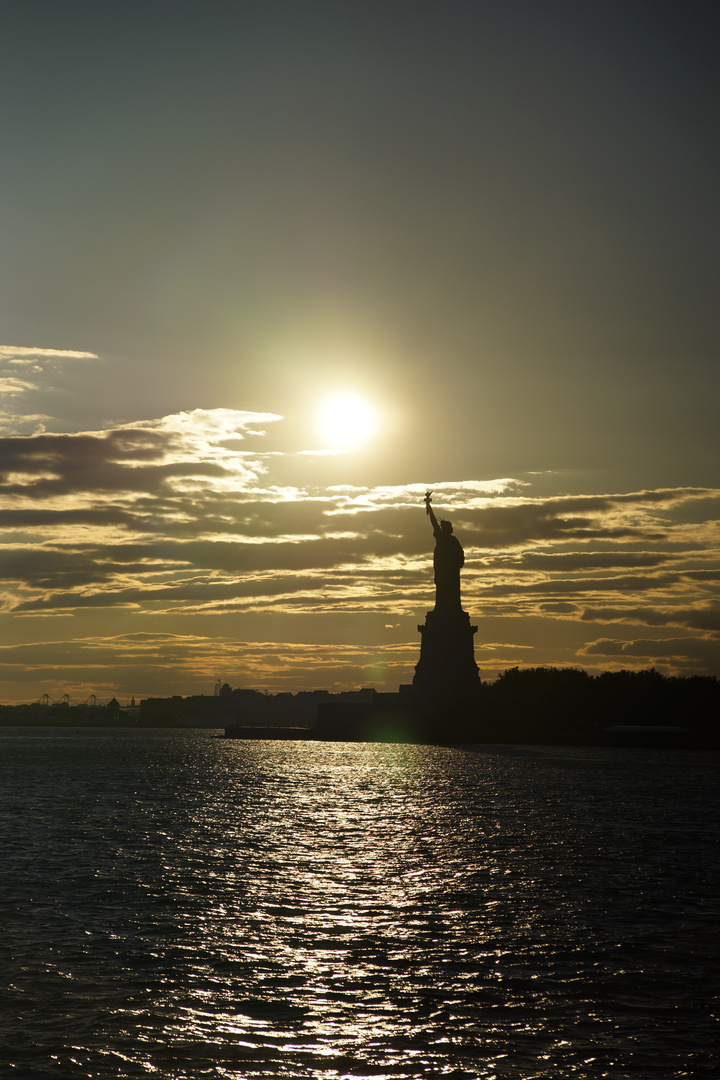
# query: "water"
180, 906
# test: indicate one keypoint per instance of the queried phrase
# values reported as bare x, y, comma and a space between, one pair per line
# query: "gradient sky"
494, 222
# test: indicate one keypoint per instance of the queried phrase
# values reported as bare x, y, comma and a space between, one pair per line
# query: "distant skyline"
492, 225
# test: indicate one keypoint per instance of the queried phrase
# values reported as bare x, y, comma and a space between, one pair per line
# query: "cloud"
16, 386
517, 522
591, 560
10, 385
684, 655
617, 583
24, 354
696, 618
160, 457
26, 423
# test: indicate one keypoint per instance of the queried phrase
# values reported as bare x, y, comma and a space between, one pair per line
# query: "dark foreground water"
179, 906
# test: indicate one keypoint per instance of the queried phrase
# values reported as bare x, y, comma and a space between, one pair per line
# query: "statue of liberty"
448, 558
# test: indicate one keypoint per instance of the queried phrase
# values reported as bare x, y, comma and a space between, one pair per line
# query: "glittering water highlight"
181, 906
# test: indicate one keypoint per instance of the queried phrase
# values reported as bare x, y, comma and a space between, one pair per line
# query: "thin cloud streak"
24, 354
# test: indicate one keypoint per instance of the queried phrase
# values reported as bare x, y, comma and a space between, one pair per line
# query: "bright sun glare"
347, 420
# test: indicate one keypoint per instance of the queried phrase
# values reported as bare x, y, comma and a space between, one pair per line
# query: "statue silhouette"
446, 671
448, 558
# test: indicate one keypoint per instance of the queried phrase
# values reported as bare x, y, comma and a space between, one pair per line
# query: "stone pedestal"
447, 667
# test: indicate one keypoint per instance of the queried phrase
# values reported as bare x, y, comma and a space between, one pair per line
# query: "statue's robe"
448, 558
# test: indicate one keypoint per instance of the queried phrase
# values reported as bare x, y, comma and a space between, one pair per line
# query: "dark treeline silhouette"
547, 704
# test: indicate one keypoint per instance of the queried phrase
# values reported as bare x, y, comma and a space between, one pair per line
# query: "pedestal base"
447, 665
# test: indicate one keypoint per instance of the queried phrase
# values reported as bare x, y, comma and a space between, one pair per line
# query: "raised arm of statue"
433, 519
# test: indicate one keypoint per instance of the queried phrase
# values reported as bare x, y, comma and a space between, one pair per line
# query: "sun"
347, 420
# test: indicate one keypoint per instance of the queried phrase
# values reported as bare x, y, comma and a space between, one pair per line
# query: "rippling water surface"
184, 906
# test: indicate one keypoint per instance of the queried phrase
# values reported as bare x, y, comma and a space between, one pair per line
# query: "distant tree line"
568, 704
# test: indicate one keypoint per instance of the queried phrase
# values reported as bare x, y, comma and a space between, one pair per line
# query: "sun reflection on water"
331, 910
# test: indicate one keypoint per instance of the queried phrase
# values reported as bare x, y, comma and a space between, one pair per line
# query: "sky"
491, 227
